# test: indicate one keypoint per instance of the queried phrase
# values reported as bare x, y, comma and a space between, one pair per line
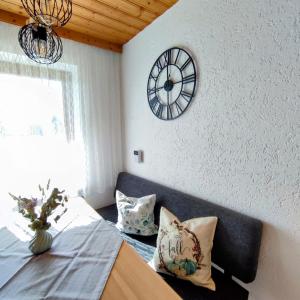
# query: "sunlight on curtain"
33, 143
60, 121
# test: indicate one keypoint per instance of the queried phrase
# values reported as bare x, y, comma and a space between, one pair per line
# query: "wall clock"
171, 84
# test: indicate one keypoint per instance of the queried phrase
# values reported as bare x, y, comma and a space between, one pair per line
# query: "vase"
41, 242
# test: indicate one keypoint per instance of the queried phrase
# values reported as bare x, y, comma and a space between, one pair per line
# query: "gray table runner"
77, 266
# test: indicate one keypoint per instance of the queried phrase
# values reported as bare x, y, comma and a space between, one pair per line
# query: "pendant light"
40, 43
38, 39
49, 12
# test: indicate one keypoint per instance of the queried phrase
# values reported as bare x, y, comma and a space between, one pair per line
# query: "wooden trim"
169, 3
88, 31
89, 40
147, 16
18, 20
12, 18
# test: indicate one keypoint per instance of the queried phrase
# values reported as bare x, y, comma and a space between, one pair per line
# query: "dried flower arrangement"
37, 210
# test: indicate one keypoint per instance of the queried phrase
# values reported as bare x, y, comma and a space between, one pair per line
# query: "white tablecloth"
77, 266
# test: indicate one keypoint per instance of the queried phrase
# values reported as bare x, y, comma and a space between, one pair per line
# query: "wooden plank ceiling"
107, 24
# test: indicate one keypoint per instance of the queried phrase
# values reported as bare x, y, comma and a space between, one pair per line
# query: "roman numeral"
187, 62
153, 76
177, 57
189, 78
169, 112
178, 107
168, 57
159, 111
151, 91
159, 65
153, 103
186, 96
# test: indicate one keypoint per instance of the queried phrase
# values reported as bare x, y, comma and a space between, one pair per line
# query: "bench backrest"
237, 238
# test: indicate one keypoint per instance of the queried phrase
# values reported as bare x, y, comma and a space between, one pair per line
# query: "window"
35, 142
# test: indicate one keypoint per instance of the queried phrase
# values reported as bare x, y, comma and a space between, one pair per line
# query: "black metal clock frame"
156, 106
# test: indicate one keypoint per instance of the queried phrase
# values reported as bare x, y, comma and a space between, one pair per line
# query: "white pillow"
135, 215
184, 248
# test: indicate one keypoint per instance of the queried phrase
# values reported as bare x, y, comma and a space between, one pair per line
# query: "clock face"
171, 84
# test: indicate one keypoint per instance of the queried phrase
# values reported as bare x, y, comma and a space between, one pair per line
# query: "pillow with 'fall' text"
184, 248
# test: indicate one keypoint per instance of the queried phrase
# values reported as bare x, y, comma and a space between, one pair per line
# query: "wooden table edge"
133, 279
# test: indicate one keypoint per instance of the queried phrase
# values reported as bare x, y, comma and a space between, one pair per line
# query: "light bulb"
40, 48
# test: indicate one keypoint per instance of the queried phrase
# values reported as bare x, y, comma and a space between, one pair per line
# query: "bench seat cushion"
226, 288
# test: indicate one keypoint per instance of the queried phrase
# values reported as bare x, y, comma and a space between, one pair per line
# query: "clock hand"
168, 108
168, 75
180, 81
159, 88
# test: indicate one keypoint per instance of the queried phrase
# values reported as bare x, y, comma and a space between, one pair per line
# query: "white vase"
41, 242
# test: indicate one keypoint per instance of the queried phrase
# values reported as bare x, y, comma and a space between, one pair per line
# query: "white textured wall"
238, 143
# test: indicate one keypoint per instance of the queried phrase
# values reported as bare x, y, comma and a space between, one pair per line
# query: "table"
131, 278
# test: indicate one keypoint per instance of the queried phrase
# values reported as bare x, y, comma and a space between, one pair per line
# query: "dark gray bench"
236, 243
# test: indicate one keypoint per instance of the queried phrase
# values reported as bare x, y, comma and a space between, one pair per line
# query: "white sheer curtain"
82, 151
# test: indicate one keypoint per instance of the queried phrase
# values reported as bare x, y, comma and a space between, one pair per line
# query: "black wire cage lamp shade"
40, 43
49, 12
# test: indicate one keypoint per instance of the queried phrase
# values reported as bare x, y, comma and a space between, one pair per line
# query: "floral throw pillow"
135, 215
184, 248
